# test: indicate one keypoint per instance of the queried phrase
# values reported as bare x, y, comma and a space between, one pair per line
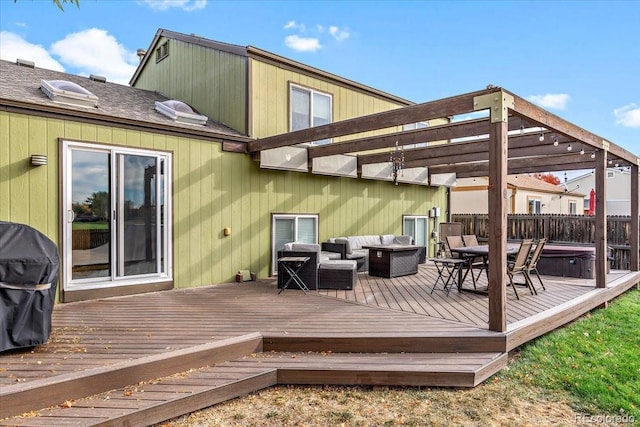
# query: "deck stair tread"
154, 401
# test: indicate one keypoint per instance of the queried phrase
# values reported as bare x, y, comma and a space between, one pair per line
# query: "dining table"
469, 253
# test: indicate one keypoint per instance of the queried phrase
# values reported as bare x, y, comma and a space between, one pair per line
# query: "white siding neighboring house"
618, 184
526, 195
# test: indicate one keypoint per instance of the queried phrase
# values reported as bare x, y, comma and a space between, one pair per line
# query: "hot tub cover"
29, 269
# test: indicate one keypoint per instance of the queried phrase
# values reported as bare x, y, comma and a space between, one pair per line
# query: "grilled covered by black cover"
29, 270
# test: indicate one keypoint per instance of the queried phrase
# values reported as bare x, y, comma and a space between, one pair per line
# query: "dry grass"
498, 402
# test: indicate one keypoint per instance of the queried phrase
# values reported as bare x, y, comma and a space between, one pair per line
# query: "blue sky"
578, 59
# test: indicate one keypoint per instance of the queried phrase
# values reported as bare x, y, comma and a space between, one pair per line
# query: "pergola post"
634, 238
601, 219
498, 104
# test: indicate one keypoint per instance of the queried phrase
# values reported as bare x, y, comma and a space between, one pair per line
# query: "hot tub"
568, 261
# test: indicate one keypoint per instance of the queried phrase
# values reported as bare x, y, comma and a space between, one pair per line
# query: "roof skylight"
180, 112
67, 92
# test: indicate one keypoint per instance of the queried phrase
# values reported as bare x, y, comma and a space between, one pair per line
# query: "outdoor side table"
292, 265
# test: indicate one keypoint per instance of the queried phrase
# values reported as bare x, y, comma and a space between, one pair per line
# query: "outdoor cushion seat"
337, 274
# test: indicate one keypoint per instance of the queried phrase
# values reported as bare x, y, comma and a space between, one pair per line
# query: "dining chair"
470, 240
532, 264
455, 242
519, 266
477, 263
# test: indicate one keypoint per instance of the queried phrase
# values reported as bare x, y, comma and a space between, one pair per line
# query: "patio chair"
532, 264
454, 242
519, 266
477, 263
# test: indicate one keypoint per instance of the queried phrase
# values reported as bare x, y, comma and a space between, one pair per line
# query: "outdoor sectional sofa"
324, 270
352, 247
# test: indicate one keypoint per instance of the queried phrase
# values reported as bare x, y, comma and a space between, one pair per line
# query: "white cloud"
302, 44
338, 33
94, 51
293, 25
557, 101
187, 5
628, 116
12, 47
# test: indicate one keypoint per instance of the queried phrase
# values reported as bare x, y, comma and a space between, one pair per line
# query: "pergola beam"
446, 107
444, 132
519, 146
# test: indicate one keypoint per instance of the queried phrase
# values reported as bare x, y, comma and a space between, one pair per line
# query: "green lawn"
596, 360
90, 225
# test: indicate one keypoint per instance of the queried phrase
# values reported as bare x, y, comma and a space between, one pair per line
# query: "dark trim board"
532, 327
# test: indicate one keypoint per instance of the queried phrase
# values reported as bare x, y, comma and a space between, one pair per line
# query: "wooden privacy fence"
574, 229
89, 239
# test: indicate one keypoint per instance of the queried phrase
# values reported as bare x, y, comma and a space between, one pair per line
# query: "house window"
287, 228
573, 207
162, 51
416, 226
116, 203
309, 108
535, 206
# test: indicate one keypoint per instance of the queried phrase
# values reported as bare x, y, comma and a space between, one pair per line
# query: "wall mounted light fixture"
38, 160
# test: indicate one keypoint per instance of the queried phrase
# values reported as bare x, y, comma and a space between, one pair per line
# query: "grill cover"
29, 269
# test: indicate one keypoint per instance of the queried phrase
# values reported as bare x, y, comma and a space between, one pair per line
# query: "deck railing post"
601, 219
634, 238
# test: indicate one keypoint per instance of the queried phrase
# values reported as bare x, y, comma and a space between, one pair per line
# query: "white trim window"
535, 206
309, 108
116, 210
287, 228
416, 226
573, 207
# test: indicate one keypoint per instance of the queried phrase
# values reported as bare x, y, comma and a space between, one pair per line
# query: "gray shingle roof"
117, 103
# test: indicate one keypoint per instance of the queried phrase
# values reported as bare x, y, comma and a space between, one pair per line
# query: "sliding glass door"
116, 202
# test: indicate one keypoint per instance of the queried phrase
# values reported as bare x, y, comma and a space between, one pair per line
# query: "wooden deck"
114, 361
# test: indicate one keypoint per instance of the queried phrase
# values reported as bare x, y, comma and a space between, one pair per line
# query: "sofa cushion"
326, 255
307, 247
338, 265
403, 240
387, 239
357, 242
358, 253
346, 242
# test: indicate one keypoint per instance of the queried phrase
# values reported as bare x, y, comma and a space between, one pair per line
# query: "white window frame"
573, 207
311, 93
295, 218
114, 279
537, 205
426, 228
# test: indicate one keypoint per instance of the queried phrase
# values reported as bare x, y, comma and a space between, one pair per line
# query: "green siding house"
142, 193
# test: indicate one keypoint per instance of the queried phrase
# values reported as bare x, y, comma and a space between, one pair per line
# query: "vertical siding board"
37, 144
19, 169
5, 166
206, 209
195, 211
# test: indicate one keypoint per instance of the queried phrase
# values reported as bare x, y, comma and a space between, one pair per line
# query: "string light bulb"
541, 137
569, 148
521, 128
593, 155
555, 141
581, 149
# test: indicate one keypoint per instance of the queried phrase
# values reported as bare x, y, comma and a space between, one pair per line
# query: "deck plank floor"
390, 317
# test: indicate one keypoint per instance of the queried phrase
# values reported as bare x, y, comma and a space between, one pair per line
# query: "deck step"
392, 369
155, 401
152, 402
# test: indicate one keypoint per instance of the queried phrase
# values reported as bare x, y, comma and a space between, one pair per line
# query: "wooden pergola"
488, 149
